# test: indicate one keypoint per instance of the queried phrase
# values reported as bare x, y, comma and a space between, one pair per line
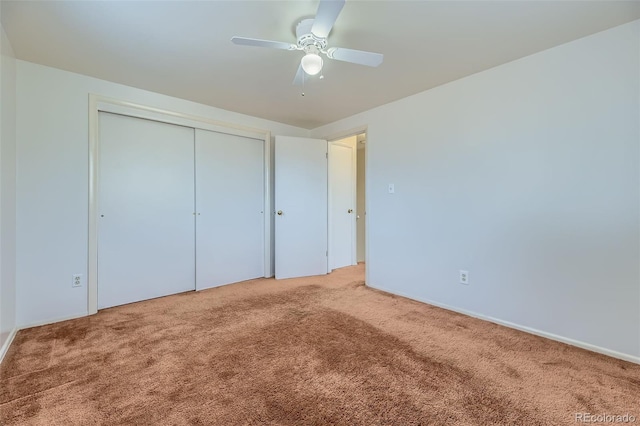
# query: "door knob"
350, 211
279, 212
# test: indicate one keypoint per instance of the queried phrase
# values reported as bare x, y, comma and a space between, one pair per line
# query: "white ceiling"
183, 48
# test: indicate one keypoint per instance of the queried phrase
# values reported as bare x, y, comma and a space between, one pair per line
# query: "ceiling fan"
312, 39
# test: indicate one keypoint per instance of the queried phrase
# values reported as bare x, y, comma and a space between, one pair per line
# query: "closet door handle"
279, 212
350, 211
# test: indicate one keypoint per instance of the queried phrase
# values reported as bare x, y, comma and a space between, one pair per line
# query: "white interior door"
342, 207
361, 229
301, 232
146, 235
230, 243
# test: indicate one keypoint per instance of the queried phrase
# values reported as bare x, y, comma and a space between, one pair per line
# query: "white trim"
5, 347
52, 321
367, 191
354, 131
557, 338
268, 215
329, 215
7, 343
131, 109
98, 103
94, 160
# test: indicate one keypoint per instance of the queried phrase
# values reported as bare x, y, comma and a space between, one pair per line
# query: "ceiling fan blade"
244, 41
300, 76
369, 59
328, 11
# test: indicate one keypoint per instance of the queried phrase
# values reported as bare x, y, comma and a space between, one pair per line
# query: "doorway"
317, 189
347, 201
361, 223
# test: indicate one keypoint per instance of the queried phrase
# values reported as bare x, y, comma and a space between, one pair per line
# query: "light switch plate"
392, 188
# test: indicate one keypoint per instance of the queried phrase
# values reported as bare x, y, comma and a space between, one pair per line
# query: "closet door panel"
146, 235
230, 204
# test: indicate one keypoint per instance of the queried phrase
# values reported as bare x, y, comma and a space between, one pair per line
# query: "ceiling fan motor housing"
306, 38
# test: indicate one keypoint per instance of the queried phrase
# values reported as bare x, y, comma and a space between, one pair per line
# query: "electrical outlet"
77, 280
464, 277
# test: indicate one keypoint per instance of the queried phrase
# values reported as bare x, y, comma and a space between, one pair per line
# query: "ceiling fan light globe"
311, 63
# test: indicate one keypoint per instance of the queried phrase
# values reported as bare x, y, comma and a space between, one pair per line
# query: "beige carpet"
320, 350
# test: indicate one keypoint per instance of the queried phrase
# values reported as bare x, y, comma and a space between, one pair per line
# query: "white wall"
7, 191
527, 176
52, 190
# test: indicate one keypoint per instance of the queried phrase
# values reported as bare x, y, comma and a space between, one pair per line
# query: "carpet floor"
312, 351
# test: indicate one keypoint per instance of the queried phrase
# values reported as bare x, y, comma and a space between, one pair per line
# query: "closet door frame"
97, 104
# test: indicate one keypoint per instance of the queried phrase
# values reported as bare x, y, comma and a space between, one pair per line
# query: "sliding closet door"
146, 201
229, 206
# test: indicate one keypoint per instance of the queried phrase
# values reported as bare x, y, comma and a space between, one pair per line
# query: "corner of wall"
8, 340
7, 193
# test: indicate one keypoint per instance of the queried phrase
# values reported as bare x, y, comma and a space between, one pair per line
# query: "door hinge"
326, 253
326, 155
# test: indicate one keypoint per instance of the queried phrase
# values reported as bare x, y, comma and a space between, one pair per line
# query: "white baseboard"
12, 335
5, 347
562, 339
51, 321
